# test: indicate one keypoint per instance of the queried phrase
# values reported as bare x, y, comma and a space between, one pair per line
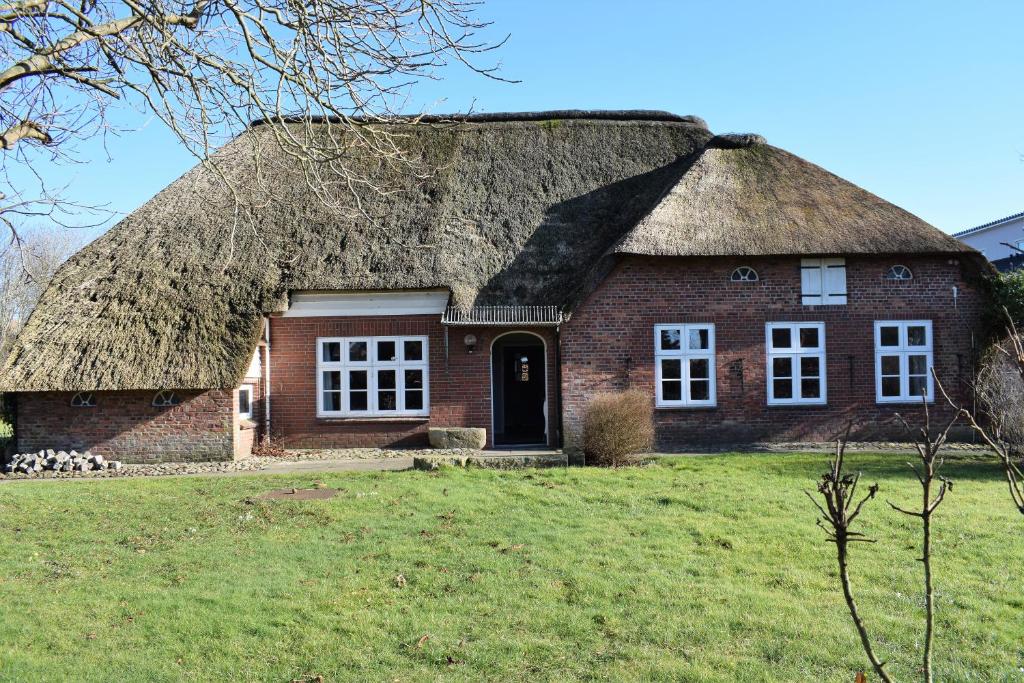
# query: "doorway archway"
519, 390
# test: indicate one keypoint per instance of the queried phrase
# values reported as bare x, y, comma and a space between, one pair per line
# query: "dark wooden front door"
520, 380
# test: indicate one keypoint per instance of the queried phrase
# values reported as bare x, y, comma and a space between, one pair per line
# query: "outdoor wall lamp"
470, 341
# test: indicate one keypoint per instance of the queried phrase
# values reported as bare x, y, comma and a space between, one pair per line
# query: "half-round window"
899, 273
744, 274
165, 398
83, 399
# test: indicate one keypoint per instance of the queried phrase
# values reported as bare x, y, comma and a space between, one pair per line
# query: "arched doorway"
519, 390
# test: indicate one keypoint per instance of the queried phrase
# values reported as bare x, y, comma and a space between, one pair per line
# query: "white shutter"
810, 281
835, 282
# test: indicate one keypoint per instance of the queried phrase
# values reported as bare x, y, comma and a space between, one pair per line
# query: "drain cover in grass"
300, 494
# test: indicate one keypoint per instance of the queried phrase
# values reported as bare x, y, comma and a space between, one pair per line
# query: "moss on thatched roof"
521, 209
745, 197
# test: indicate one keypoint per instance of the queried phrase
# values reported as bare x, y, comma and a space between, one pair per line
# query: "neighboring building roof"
986, 226
525, 209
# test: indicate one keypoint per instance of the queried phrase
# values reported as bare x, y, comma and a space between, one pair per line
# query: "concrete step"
497, 460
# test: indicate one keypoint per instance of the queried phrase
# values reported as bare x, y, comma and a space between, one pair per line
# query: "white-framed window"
899, 273
83, 399
684, 365
245, 394
903, 361
744, 274
165, 399
823, 281
372, 376
796, 363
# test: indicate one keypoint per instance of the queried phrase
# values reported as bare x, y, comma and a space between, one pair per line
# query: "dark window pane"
889, 336
783, 388
672, 391
671, 368
332, 400
890, 386
918, 385
810, 388
782, 367
918, 365
698, 340
809, 338
387, 400
670, 340
699, 368
414, 400
810, 366
357, 400
413, 379
243, 402
781, 338
700, 390
386, 379
331, 352
890, 365
357, 379
413, 350
357, 351
387, 351
916, 336
332, 381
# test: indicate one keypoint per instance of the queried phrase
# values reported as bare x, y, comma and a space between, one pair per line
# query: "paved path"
314, 466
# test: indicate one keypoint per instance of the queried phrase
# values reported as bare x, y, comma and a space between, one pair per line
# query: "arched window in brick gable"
744, 274
165, 399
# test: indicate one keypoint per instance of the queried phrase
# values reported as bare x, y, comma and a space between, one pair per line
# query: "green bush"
1007, 296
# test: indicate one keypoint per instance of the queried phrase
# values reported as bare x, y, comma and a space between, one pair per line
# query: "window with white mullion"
684, 365
796, 363
903, 361
372, 376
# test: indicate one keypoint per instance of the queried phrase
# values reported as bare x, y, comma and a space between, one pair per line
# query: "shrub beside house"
551, 256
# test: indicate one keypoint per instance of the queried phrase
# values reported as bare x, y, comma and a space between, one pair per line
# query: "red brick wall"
125, 425
460, 385
608, 343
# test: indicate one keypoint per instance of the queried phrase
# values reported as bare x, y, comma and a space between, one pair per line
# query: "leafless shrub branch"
840, 510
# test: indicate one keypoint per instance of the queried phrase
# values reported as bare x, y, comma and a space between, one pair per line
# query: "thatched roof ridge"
526, 209
508, 116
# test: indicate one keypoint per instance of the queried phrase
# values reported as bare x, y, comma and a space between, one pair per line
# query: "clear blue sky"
919, 102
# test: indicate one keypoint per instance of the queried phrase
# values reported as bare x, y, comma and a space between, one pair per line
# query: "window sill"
247, 423
683, 408
398, 419
903, 402
796, 405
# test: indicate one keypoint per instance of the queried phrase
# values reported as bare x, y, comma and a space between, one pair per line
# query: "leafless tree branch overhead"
207, 68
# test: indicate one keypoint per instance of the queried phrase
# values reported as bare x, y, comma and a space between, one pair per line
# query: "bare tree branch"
318, 74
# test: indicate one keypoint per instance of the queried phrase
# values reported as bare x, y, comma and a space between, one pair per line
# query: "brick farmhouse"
545, 257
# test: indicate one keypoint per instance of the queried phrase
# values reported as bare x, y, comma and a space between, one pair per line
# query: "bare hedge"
617, 427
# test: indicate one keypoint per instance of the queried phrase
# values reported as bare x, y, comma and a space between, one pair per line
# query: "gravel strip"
255, 463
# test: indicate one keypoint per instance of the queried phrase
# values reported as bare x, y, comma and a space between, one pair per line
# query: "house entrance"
519, 390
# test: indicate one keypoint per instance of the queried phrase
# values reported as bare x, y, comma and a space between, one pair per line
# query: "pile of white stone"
59, 461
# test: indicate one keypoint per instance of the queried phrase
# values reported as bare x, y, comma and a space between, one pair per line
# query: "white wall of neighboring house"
991, 240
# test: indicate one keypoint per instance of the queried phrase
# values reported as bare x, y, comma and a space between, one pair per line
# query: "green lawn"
696, 569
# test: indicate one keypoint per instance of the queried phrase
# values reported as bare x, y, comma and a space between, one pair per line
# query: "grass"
706, 569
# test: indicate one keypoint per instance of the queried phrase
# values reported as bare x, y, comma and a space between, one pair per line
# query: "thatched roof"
522, 209
745, 197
